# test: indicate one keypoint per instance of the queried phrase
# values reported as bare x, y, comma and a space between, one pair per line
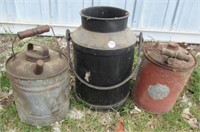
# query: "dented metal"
44, 101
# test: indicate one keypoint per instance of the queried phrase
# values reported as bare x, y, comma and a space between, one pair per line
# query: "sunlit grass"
194, 84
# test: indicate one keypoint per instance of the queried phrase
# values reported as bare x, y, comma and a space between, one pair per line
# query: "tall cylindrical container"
103, 57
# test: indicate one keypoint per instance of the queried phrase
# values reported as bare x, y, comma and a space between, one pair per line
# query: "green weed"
4, 82
194, 84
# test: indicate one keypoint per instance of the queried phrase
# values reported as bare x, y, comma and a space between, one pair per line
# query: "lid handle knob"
44, 48
39, 67
34, 55
176, 54
173, 46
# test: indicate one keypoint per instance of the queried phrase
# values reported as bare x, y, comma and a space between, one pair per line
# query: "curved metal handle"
116, 85
68, 38
32, 32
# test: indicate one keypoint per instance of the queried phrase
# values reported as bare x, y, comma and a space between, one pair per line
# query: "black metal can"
103, 57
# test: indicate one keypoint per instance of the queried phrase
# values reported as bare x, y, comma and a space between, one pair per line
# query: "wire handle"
33, 32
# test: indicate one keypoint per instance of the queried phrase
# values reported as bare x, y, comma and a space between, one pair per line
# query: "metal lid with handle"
170, 56
38, 61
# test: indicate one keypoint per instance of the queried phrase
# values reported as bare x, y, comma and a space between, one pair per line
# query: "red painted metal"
159, 82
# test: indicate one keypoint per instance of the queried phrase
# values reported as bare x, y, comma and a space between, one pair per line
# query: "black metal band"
102, 107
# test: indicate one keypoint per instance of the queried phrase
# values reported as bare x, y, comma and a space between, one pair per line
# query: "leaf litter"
75, 114
120, 125
6, 98
56, 127
188, 117
136, 110
105, 119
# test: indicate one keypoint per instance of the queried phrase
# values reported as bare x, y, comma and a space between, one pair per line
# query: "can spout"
176, 54
39, 67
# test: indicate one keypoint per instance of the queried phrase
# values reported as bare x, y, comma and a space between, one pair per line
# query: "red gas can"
164, 71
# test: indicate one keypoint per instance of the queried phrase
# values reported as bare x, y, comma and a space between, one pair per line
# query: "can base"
44, 120
102, 107
145, 109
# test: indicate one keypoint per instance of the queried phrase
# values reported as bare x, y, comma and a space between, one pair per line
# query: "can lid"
39, 62
170, 56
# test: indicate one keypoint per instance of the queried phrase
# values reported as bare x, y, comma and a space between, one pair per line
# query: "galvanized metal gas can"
40, 82
165, 70
103, 57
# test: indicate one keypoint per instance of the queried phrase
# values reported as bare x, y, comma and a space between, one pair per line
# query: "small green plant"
9, 36
4, 82
9, 121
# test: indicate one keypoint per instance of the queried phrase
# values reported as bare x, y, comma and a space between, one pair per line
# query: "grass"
4, 83
106, 121
143, 121
194, 84
10, 121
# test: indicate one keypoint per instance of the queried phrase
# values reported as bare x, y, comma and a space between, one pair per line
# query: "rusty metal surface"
40, 82
170, 56
103, 41
20, 67
34, 55
157, 88
43, 101
39, 67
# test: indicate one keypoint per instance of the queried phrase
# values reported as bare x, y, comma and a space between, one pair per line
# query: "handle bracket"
34, 55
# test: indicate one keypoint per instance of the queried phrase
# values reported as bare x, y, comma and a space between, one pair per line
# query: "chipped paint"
87, 76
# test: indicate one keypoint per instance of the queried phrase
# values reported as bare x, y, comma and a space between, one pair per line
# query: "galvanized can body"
103, 57
42, 102
40, 83
158, 86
